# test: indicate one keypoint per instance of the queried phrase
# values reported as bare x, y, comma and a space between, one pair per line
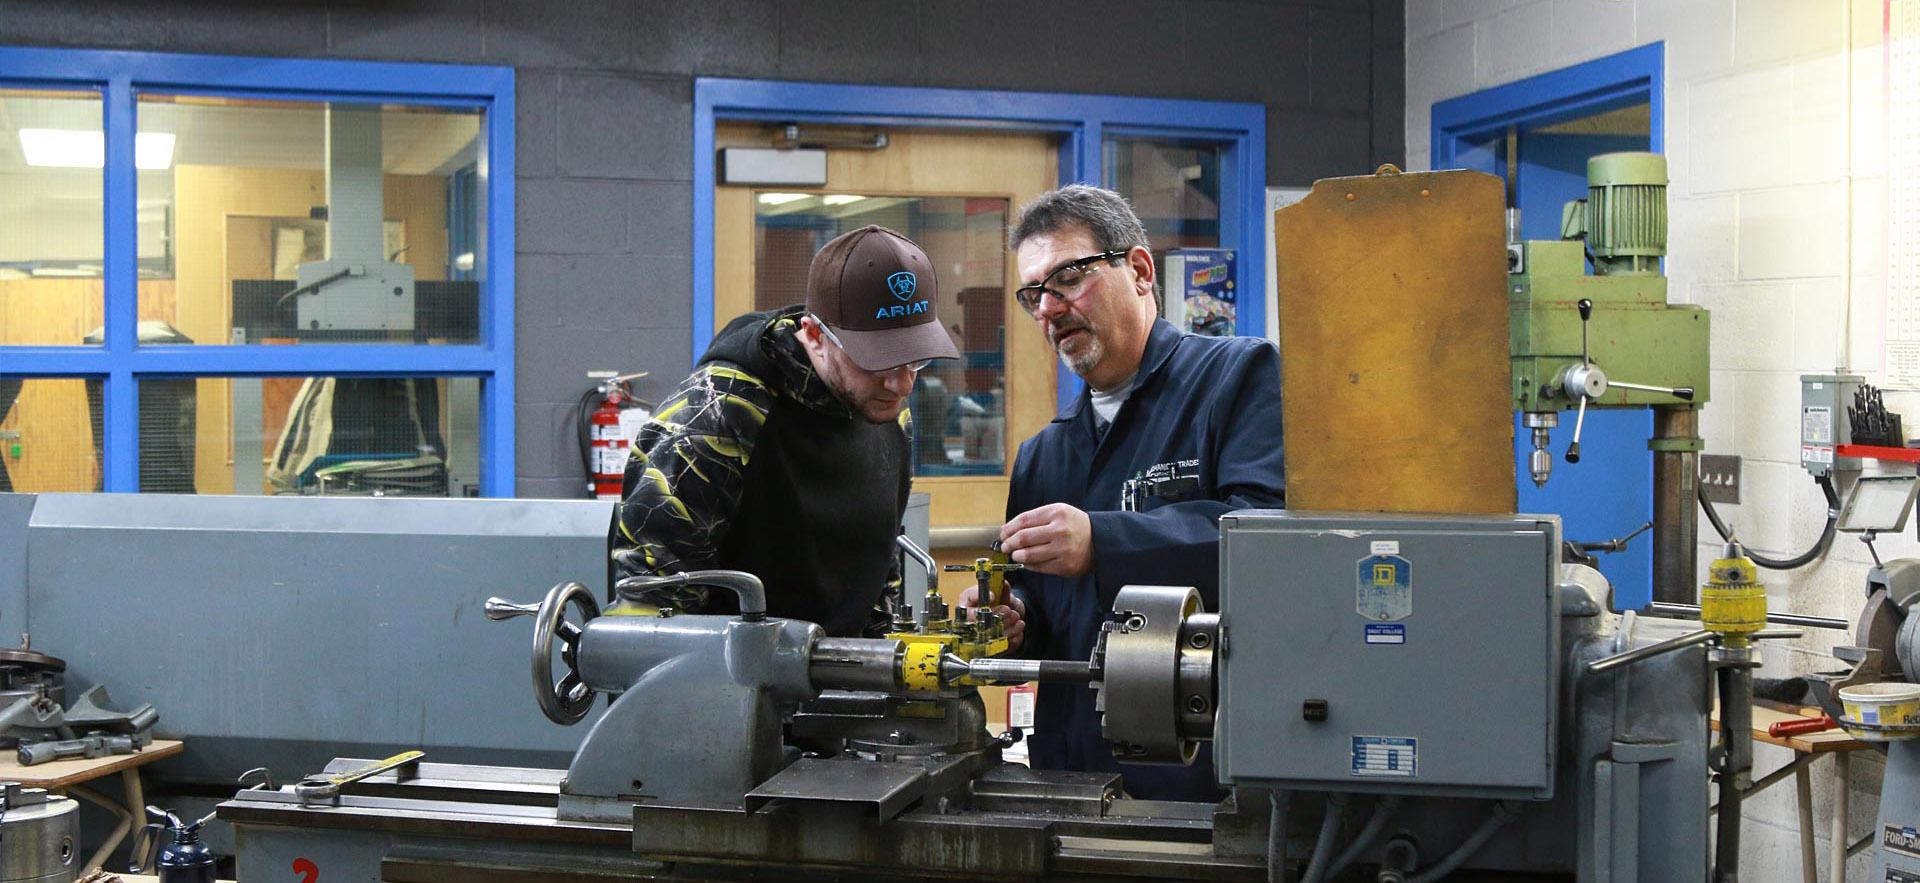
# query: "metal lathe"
738, 742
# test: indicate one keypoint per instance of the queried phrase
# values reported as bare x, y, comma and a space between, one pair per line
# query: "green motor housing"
1624, 217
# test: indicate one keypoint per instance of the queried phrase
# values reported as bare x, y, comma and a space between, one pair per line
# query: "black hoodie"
754, 464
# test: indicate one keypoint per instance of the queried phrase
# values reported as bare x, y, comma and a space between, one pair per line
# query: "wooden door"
980, 174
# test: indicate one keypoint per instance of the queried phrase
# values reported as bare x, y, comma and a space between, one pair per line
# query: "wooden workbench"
1807, 748
71, 776
57, 774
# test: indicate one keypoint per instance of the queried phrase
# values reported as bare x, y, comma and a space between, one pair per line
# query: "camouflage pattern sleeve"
684, 479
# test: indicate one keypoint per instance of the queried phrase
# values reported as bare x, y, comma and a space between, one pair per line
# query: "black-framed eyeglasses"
1067, 282
915, 367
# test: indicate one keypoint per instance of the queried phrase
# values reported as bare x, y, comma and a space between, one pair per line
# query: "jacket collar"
780, 341
1162, 340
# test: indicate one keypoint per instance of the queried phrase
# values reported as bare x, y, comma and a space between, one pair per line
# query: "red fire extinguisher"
607, 430
609, 447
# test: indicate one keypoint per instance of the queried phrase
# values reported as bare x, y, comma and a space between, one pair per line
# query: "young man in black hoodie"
787, 452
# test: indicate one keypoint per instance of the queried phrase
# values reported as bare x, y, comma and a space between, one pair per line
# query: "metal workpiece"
1049, 671
989, 578
745, 587
1156, 690
39, 836
856, 664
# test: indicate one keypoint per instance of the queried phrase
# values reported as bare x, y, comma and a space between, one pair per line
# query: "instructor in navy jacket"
1128, 484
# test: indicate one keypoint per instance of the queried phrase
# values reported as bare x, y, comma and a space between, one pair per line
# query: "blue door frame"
119, 77
1609, 493
1082, 121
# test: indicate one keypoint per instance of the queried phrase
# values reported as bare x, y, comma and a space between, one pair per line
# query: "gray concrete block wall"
604, 130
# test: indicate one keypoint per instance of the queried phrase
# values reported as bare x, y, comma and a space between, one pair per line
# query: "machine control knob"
1314, 710
501, 609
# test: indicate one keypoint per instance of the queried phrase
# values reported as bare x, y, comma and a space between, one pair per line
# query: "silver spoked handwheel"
567, 700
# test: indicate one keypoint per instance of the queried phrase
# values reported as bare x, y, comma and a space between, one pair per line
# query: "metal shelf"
1878, 452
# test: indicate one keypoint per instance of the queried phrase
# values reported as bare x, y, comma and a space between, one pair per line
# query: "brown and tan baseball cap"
876, 289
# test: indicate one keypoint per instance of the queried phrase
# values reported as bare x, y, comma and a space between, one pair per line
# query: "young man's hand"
1013, 615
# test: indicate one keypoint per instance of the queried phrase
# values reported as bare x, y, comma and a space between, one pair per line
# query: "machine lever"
1579, 423
1641, 654
501, 609
1683, 393
1618, 544
745, 586
1586, 315
1692, 611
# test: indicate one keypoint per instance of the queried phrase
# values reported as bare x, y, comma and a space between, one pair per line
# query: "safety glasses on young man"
1067, 282
915, 367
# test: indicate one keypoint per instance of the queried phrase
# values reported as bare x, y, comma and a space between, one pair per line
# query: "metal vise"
703, 702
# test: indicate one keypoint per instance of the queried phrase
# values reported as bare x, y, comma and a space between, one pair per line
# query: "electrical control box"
1824, 399
1388, 653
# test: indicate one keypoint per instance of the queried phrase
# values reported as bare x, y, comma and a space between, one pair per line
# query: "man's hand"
1055, 539
1012, 618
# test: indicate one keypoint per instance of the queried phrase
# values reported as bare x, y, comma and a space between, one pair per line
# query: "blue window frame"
1082, 121
120, 77
1593, 501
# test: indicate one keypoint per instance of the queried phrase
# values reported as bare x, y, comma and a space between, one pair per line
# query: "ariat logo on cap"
903, 284
901, 311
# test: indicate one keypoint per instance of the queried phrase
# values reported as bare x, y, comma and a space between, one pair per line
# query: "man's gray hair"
1103, 212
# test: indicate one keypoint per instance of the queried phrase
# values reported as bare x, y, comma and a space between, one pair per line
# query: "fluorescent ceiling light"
841, 199
780, 198
80, 149
152, 150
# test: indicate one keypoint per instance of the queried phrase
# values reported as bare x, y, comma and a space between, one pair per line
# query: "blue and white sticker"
1386, 756
1384, 585
1386, 633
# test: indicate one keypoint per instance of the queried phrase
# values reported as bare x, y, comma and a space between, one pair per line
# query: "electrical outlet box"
1720, 478
1824, 399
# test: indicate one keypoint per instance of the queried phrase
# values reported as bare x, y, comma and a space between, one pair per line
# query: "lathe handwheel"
569, 699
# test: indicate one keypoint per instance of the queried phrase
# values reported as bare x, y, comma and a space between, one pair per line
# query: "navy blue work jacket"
1198, 437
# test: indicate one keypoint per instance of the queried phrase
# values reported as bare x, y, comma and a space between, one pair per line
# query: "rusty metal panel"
1393, 341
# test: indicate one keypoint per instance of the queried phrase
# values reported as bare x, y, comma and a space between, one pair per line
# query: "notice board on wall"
1393, 344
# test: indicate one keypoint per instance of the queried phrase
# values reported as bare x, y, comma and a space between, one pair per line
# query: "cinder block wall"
605, 117
1769, 156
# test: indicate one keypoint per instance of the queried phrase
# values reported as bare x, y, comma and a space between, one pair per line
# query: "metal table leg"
1837, 842
1803, 785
